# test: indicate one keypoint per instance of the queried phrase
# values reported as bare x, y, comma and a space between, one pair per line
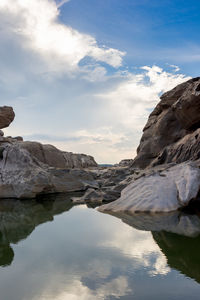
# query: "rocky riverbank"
163, 177
167, 157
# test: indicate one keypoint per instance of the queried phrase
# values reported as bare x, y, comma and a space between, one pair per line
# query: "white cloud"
141, 247
176, 68
111, 128
104, 113
117, 288
133, 99
62, 2
60, 46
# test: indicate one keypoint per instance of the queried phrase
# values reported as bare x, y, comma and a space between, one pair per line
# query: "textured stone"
54, 157
23, 176
163, 191
90, 196
187, 148
125, 162
177, 115
7, 115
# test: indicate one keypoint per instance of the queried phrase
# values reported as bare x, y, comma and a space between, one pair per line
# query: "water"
52, 250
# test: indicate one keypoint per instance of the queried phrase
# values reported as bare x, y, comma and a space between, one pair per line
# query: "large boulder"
54, 157
7, 115
24, 176
164, 191
175, 116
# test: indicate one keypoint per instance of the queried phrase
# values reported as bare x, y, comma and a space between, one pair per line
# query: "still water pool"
51, 250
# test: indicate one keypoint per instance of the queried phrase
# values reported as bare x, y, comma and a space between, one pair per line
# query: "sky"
84, 75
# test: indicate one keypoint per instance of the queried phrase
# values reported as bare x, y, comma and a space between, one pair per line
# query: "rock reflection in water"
176, 222
19, 218
182, 252
178, 236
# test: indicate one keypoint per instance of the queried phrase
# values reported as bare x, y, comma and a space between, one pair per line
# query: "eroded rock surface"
177, 116
54, 157
163, 191
23, 176
7, 115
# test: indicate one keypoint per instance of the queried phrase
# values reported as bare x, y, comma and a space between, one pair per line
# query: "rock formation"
54, 157
7, 115
152, 182
163, 191
23, 176
171, 139
172, 131
28, 169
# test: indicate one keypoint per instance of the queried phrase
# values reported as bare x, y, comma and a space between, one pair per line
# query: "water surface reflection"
84, 254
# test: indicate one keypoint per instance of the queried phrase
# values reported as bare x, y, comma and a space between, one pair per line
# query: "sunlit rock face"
7, 115
23, 176
171, 132
163, 191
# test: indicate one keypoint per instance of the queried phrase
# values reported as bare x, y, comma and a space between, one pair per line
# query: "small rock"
18, 138
91, 195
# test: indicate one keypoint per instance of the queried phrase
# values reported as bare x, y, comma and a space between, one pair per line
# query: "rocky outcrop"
23, 176
125, 162
7, 115
111, 181
46, 154
174, 122
29, 169
164, 191
171, 140
54, 157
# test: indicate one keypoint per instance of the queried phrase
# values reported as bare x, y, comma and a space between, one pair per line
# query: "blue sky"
84, 75
149, 31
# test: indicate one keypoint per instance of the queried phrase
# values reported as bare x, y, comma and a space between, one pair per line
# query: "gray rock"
163, 191
91, 196
125, 162
54, 157
23, 176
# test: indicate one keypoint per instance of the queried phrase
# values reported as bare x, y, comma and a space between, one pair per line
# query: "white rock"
161, 192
